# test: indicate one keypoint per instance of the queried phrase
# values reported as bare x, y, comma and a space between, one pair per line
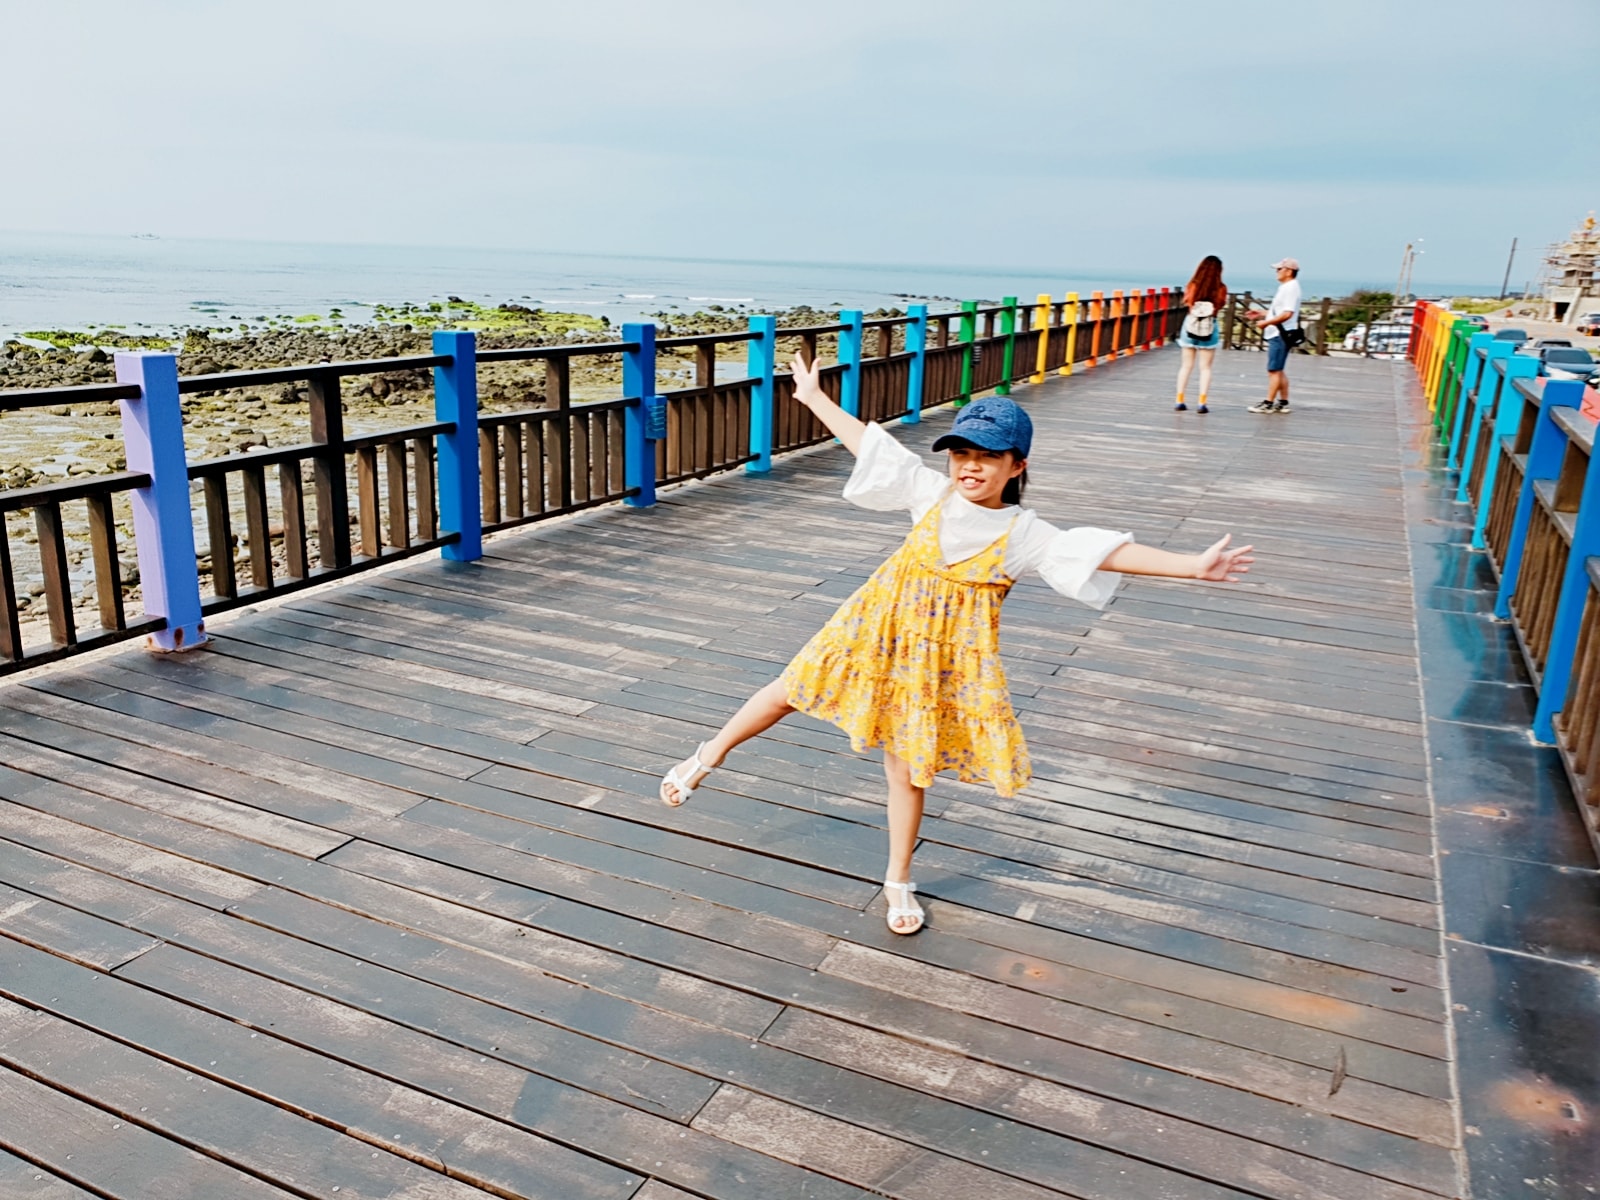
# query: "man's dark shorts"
1277, 354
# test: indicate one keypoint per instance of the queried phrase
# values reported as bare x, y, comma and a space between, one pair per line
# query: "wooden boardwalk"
373, 896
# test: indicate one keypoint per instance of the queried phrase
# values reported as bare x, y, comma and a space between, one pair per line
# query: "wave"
723, 299
638, 295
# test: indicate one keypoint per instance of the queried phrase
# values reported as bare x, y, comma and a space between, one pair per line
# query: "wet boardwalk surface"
373, 896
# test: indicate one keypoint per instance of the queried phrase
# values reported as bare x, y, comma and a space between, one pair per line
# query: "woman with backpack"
1201, 335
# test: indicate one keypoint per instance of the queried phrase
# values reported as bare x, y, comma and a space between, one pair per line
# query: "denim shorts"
1194, 343
1277, 353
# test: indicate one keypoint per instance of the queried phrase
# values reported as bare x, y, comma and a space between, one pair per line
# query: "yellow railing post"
1069, 318
1041, 322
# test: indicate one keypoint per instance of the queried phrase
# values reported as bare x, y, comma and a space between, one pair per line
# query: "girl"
1205, 289
911, 662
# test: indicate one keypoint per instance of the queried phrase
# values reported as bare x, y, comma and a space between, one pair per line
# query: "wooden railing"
543, 462
391, 513
1523, 449
102, 496
263, 521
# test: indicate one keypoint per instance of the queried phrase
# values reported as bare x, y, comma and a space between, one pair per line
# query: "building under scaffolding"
1569, 283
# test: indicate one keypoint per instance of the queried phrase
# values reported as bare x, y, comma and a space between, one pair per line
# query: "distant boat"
146, 237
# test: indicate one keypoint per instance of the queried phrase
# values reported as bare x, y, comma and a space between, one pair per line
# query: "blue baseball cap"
993, 423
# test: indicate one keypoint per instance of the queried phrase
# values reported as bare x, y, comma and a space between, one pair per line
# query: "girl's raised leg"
757, 715
905, 820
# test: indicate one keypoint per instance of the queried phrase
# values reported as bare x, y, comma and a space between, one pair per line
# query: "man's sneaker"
1264, 407
1283, 406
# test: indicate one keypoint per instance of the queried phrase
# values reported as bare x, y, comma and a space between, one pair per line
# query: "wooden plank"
57, 584
219, 537
376, 1043
291, 497
107, 568
85, 939
406, 1125
253, 485
110, 1157
227, 1126
25, 1181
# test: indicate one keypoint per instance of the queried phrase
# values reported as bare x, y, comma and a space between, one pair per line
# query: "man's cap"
994, 423
1292, 263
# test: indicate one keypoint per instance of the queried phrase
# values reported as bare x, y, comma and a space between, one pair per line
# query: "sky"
1011, 133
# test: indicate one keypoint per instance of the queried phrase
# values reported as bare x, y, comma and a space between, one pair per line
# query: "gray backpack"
1201, 322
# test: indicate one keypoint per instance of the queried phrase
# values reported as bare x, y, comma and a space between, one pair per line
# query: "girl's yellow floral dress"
911, 663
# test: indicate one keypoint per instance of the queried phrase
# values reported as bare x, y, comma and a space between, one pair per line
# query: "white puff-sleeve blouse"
888, 476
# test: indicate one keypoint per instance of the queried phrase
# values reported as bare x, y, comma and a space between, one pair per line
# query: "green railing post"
969, 330
1008, 330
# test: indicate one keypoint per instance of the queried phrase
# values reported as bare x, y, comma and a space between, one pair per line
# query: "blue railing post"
639, 382
762, 362
1471, 374
1567, 393
1548, 448
917, 347
1507, 417
455, 399
163, 524
1489, 383
850, 361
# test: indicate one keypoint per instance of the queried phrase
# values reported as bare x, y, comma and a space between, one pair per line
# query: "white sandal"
906, 908
681, 782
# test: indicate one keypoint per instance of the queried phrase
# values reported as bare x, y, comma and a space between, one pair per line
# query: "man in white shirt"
1283, 314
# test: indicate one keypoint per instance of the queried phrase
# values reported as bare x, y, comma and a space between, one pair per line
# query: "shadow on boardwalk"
374, 893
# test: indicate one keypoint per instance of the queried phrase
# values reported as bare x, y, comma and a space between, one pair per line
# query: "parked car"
1474, 319
1382, 339
1568, 362
1589, 324
1539, 347
1511, 335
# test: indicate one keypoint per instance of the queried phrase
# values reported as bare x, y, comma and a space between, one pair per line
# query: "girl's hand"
1222, 565
807, 381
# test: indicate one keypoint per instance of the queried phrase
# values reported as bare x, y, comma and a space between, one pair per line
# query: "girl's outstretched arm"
808, 390
1216, 563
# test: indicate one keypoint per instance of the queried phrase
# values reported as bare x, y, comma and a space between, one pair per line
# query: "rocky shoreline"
38, 445
45, 445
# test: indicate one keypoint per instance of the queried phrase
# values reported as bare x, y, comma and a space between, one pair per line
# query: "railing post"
639, 383
1507, 417
1470, 378
1008, 330
163, 523
1574, 581
455, 399
761, 364
969, 330
1041, 318
1147, 307
1069, 318
917, 347
850, 361
1116, 306
1492, 379
1097, 317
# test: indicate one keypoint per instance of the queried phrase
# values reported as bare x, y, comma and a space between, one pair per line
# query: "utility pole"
1506, 282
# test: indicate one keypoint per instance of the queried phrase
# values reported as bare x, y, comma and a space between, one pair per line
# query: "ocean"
143, 283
